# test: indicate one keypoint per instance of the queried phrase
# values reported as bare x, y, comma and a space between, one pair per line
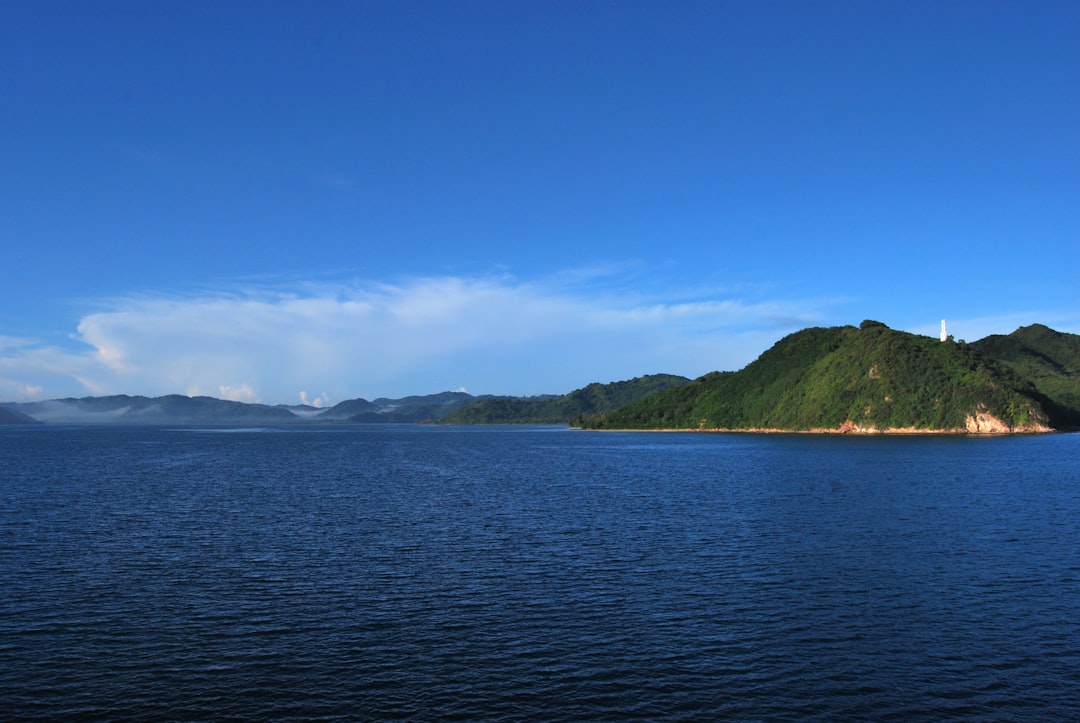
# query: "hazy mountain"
407, 409
179, 409
343, 410
14, 416
170, 409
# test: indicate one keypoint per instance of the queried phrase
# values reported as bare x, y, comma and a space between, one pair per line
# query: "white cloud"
19, 392
318, 402
492, 334
240, 393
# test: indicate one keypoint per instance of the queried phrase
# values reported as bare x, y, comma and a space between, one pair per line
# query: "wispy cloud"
331, 342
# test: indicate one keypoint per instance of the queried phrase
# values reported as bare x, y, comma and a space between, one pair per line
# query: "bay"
378, 572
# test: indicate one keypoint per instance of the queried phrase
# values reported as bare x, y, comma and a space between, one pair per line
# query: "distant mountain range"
170, 409
179, 409
407, 409
838, 379
449, 407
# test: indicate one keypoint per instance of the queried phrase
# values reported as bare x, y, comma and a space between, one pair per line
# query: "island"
872, 379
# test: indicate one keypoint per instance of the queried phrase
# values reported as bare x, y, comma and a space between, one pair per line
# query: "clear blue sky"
269, 200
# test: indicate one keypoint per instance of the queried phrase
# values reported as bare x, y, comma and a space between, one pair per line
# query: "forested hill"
869, 378
1050, 359
591, 399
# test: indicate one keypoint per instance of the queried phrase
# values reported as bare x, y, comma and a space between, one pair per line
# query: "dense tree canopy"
869, 377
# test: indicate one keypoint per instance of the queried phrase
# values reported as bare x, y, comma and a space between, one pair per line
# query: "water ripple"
411, 573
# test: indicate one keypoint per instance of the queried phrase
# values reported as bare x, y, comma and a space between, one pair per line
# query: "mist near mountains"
179, 409
1041, 365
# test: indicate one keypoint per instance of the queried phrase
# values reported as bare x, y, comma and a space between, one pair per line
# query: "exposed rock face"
850, 427
986, 423
979, 423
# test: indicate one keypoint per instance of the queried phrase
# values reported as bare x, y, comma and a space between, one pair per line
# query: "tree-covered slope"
542, 409
847, 378
591, 399
407, 409
1049, 358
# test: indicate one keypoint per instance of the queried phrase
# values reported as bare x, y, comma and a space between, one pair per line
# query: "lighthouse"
944, 334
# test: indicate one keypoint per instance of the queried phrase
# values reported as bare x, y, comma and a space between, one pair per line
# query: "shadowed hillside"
1050, 359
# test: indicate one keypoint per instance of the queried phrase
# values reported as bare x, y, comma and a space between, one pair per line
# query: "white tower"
944, 334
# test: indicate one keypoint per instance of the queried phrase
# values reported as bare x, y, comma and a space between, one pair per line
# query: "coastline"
896, 431
851, 429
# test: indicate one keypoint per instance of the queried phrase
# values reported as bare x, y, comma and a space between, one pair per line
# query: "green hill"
869, 378
404, 410
1050, 359
553, 409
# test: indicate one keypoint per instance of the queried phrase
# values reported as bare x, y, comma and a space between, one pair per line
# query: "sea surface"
536, 573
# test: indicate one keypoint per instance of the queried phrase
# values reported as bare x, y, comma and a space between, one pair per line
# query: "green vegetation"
405, 410
870, 377
592, 399
1050, 359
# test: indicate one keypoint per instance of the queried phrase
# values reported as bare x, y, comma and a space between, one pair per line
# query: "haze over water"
381, 572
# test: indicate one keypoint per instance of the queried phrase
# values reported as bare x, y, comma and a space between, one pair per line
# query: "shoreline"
892, 431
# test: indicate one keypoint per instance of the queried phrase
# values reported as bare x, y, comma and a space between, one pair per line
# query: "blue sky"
272, 201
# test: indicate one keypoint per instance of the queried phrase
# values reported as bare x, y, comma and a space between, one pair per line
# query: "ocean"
386, 572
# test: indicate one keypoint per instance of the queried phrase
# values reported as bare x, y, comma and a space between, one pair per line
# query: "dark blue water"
423, 573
